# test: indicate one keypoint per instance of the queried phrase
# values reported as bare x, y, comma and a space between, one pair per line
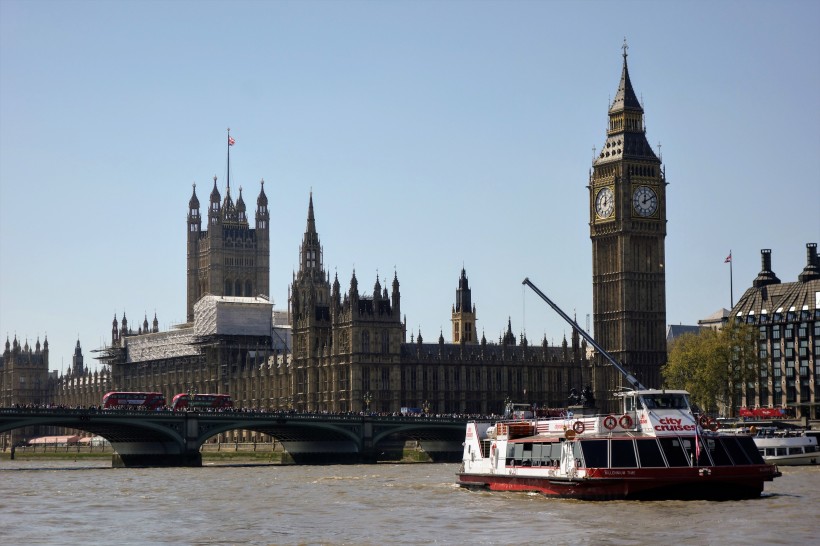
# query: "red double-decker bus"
764, 413
133, 400
201, 401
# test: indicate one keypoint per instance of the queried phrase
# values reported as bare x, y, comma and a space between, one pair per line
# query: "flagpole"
229, 159
731, 281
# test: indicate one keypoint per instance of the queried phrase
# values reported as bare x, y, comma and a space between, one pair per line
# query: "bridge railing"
242, 414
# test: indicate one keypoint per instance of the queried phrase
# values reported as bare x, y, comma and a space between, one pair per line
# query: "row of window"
789, 317
640, 452
787, 331
234, 288
239, 262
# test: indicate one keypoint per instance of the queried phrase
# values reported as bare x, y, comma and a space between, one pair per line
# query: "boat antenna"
631, 379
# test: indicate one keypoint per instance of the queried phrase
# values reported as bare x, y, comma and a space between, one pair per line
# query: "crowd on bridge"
261, 411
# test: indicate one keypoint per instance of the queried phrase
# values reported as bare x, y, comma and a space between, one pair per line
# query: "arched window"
248, 288
238, 290
385, 342
365, 342
228, 287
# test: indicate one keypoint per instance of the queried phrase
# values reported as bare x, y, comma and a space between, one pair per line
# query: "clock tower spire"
627, 193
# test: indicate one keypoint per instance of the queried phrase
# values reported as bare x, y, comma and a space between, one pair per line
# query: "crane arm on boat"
631, 379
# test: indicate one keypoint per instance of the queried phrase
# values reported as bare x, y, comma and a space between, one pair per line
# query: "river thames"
54, 502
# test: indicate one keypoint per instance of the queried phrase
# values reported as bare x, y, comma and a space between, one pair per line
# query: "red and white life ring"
610, 422
579, 427
626, 421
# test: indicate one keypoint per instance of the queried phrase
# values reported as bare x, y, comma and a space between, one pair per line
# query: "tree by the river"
714, 366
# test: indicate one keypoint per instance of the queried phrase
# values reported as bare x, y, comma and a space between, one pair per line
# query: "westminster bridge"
168, 438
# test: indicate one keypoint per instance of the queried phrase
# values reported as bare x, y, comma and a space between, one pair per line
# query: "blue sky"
434, 135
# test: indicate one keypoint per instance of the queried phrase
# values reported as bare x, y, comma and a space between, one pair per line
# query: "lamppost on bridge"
367, 399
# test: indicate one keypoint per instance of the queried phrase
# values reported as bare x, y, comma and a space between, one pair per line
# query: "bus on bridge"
201, 401
133, 400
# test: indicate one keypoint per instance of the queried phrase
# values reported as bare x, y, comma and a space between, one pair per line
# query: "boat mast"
631, 379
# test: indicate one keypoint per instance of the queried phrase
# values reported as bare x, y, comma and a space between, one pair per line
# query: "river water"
53, 502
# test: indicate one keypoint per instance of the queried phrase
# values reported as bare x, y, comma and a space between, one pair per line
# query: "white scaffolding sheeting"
161, 345
215, 315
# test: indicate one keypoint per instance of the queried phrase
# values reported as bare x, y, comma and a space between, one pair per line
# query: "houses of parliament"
340, 347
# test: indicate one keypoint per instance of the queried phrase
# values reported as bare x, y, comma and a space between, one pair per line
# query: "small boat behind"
787, 447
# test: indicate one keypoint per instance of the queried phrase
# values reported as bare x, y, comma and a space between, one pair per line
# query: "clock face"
645, 201
604, 203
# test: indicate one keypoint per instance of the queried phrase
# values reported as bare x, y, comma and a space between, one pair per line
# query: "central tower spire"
627, 208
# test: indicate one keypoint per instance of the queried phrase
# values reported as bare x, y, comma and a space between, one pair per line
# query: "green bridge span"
166, 438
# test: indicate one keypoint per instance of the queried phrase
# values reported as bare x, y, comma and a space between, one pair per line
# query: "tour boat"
787, 447
655, 447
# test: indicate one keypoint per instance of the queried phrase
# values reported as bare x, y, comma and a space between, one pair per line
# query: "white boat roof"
651, 391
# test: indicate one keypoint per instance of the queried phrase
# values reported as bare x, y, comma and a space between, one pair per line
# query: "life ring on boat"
610, 422
578, 427
625, 421
713, 425
704, 421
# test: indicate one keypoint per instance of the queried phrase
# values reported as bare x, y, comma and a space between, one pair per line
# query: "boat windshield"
665, 401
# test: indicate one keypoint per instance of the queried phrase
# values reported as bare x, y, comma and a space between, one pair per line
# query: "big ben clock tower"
627, 210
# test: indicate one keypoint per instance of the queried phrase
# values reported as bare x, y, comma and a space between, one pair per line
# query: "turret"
214, 209
262, 214
310, 253
240, 209
354, 290
194, 219
77, 367
396, 296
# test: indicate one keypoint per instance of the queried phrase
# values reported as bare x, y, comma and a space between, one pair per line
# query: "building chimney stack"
766, 275
812, 269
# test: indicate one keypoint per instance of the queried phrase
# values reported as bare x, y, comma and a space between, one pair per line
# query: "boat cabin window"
704, 459
674, 452
735, 449
623, 454
595, 453
534, 454
649, 453
665, 401
719, 454
629, 403
750, 449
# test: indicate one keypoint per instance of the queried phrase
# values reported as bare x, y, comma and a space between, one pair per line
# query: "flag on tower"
728, 259
231, 141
